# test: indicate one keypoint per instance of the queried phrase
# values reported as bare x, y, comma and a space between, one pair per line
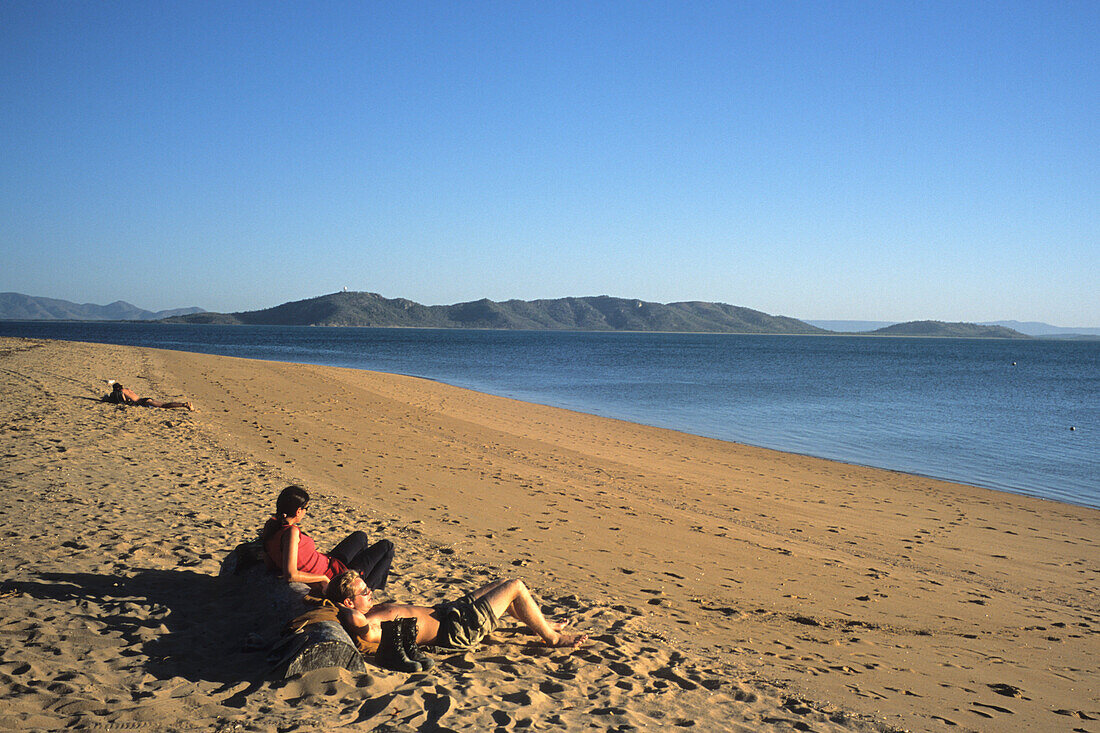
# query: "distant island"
1028, 328
598, 313
939, 329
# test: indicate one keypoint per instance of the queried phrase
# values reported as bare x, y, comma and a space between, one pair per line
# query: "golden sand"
727, 586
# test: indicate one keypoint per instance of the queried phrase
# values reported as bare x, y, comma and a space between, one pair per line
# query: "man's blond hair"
342, 587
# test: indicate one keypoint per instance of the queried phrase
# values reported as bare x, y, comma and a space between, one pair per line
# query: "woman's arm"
290, 561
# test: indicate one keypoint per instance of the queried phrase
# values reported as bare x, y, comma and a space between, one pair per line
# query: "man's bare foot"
554, 626
189, 406
568, 640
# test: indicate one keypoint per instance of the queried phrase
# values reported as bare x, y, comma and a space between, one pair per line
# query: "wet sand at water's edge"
725, 587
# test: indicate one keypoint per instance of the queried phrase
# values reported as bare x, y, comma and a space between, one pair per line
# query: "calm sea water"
990, 413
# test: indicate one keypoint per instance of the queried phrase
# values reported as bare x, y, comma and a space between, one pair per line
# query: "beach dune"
725, 587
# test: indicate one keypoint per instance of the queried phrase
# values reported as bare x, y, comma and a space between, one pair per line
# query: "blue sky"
879, 160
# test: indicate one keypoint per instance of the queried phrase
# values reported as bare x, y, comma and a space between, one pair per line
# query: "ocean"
1021, 416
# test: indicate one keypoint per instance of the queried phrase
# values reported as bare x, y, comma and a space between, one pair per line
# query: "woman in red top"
294, 555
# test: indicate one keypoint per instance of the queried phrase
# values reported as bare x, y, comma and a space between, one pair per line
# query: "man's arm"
366, 633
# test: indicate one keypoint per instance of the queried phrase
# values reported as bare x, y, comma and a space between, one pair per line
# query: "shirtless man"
122, 396
452, 625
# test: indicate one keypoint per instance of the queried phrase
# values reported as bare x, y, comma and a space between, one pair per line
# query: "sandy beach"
725, 587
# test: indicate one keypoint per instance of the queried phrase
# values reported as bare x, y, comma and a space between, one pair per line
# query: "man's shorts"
463, 623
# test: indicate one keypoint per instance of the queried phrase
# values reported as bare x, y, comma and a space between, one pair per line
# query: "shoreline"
792, 452
877, 599
1034, 480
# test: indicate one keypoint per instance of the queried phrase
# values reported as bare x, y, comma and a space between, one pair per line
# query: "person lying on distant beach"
122, 396
293, 554
458, 624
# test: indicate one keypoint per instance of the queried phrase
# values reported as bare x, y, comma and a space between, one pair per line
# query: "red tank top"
309, 560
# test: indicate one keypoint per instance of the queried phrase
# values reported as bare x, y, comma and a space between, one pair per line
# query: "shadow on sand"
184, 623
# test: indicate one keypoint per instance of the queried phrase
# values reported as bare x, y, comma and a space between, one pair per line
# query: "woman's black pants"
372, 562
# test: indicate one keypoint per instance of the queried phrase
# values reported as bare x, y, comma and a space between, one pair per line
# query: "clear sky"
822, 160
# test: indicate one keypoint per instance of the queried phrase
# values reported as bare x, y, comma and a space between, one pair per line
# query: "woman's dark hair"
290, 500
116, 394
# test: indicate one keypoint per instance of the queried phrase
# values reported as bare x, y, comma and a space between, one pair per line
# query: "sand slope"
726, 588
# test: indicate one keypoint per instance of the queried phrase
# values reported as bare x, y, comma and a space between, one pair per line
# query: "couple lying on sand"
122, 396
352, 571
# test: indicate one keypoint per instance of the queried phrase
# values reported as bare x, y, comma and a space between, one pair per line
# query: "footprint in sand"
995, 708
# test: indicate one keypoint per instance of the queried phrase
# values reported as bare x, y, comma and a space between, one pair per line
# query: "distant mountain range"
599, 313
851, 326
19, 307
1034, 328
